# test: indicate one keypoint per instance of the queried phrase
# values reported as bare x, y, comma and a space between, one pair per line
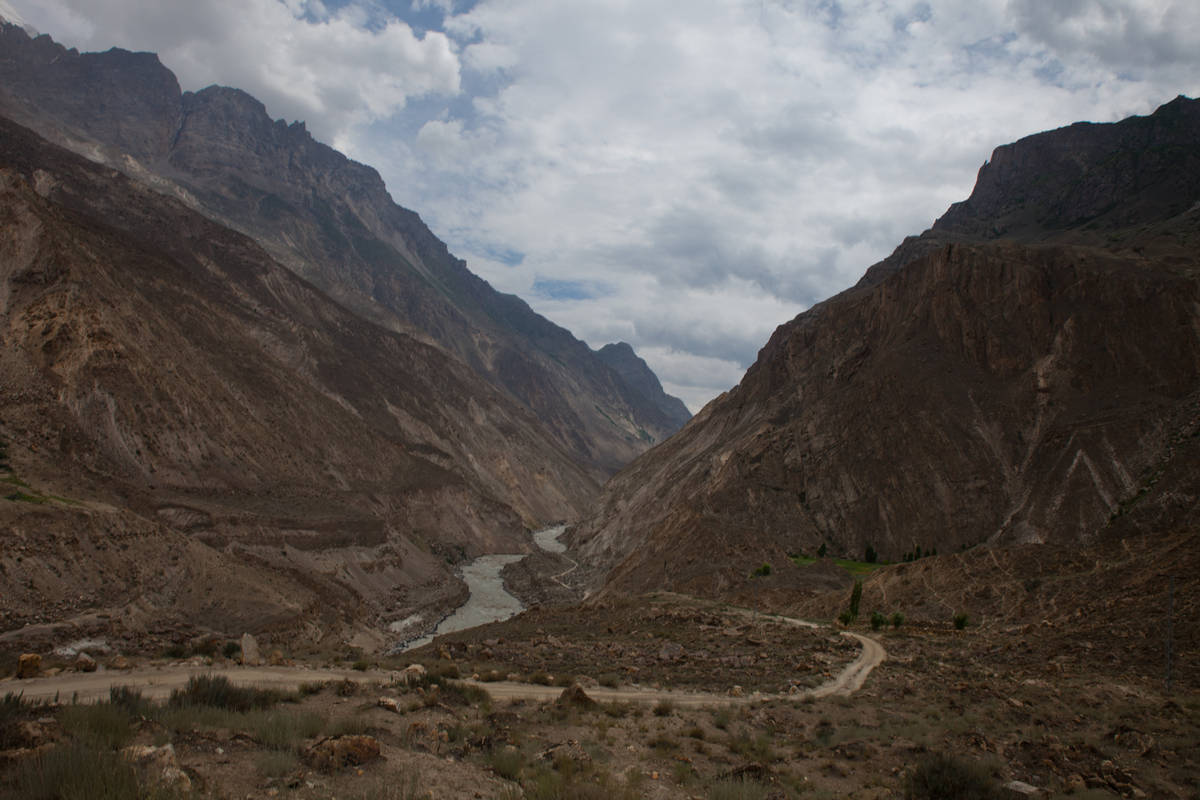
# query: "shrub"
855, 599
507, 763
762, 571
231, 650
897, 619
360, 665
960, 621
822, 550
845, 617
216, 691
102, 725
877, 620
540, 678
663, 708
870, 556
943, 777
79, 769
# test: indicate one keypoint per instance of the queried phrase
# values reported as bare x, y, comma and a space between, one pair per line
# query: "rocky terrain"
331, 221
195, 435
1025, 372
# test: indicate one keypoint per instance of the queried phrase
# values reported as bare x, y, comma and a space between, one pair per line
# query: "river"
489, 602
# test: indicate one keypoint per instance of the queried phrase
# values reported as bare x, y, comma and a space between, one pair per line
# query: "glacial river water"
489, 602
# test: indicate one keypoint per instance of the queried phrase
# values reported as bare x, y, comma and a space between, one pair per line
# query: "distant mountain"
637, 375
194, 438
332, 222
1025, 371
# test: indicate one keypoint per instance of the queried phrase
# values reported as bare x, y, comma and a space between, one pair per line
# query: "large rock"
336, 752
250, 654
29, 665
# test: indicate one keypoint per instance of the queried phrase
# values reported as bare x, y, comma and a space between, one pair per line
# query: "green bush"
944, 777
897, 619
762, 571
822, 550
960, 621
101, 724
855, 599
870, 556
663, 708
846, 617
216, 691
80, 770
877, 620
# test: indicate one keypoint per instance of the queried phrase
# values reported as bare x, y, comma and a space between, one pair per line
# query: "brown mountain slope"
330, 220
972, 389
169, 380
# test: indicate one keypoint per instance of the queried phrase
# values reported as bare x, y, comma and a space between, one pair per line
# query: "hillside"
197, 439
331, 221
1021, 373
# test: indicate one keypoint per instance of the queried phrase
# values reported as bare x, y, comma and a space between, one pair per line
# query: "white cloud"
715, 165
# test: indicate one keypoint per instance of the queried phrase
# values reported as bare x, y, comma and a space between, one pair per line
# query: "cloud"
681, 176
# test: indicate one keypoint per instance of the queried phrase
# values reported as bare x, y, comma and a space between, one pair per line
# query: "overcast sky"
683, 175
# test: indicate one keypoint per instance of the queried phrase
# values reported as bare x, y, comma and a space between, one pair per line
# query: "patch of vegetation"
855, 600
216, 691
960, 621
870, 556
850, 565
102, 725
231, 650
507, 763
762, 571
897, 619
945, 777
878, 620
81, 770
663, 708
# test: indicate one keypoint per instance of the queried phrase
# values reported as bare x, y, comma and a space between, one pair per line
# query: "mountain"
1028, 370
197, 439
638, 376
331, 221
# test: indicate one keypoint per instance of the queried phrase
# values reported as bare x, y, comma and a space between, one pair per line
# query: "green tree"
855, 599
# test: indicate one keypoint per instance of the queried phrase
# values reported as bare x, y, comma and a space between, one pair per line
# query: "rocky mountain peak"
634, 370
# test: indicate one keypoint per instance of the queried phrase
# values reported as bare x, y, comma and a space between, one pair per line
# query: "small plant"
361, 665
663, 708
540, 678
944, 777
822, 550
897, 619
507, 763
855, 599
960, 621
762, 571
877, 620
101, 725
216, 691
870, 556
721, 717
846, 618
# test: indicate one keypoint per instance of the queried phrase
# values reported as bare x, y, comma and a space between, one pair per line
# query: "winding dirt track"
158, 682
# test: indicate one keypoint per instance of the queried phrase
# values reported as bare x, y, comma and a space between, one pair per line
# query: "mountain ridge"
329, 219
967, 390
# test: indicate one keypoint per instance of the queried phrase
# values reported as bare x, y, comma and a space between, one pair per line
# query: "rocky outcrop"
331, 221
976, 387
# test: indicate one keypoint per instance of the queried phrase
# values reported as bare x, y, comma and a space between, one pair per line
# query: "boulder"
85, 663
29, 665
250, 655
120, 662
412, 674
1019, 789
335, 752
575, 696
161, 763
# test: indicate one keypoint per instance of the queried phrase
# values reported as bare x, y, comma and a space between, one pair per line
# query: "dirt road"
158, 682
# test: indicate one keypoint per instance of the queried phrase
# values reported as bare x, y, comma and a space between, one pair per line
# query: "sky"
682, 175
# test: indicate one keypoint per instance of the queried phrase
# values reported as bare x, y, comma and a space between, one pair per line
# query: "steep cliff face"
328, 219
638, 376
165, 377
973, 388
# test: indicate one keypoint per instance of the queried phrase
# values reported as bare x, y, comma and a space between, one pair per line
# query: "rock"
737, 691
1074, 783
670, 651
29, 665
569, 750
574, 695
587, 682
85, 663
390, 703
412, 674
161, 763
250, 654
120, 662
276, 658
335, 752
1021, 789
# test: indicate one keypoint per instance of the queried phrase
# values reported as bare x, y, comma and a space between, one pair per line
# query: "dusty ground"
967, 693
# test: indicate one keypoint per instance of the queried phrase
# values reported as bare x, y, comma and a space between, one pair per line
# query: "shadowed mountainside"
1022, 372
332, 221
198, 437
